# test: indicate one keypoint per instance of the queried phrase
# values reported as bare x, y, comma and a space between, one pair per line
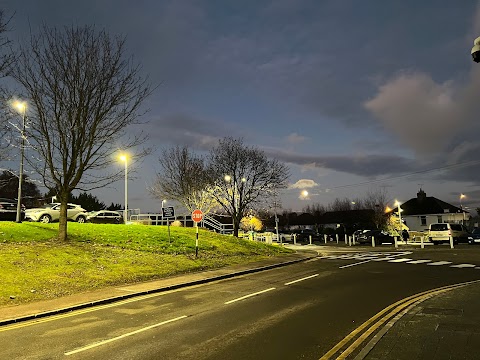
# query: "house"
418, 213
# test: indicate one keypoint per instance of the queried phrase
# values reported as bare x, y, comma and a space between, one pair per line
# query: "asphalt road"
296, 312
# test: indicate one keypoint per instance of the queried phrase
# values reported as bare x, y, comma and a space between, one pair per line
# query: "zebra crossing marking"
419, 261
438, 263
400, 260
460, 266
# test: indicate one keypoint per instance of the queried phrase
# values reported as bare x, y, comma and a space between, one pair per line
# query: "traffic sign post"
197, 216
168, 212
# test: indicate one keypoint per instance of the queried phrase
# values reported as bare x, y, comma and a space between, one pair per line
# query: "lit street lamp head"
21, 106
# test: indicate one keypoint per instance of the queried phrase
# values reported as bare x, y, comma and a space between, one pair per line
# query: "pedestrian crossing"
397, 257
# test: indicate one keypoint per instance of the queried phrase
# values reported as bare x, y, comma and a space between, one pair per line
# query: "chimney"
421, 195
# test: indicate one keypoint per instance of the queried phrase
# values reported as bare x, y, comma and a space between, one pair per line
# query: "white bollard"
310, 238
294, 239
373, 241
349, 241
396, 242
346, 242
353, 239
422, 245
451, 242
325, 238
336, 235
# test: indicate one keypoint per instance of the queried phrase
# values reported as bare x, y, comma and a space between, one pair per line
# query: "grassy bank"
34, 266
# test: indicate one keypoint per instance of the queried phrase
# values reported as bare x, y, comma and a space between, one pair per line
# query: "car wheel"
435, 242
81, 219
45, 219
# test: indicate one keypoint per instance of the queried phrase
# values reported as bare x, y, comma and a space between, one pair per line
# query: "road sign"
197, 215
168, 212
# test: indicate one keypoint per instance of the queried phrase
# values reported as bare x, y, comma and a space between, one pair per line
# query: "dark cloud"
368, 165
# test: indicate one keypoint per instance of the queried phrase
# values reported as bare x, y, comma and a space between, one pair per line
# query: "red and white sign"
197, 215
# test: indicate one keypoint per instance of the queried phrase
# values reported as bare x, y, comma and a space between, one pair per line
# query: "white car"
51, 212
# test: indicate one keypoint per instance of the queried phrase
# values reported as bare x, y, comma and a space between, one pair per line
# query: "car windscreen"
439, 227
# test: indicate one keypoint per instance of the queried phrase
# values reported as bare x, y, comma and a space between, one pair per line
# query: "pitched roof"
424, 205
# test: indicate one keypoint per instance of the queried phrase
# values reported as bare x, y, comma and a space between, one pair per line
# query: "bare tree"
6, 58
340, 205
377, 201
184, 178
243, 177
83, 96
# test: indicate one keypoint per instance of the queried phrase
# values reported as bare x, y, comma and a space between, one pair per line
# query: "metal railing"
207, 222
216, 225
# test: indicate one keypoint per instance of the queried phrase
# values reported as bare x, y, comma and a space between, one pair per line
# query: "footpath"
446, 326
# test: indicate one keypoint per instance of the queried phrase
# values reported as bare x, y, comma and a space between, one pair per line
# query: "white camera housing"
476, 50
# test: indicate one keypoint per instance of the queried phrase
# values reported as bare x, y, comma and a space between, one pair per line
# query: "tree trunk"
236, 226
62, 226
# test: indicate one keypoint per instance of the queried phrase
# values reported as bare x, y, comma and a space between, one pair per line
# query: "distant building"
418, 213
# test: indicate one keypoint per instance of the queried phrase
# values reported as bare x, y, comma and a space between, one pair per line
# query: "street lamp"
397, 203
125, 159
461, 207
21, 106
163, 201
228, 178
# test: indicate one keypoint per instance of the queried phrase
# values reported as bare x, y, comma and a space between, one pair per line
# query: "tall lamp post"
399, 216
21, 106
125, 159
461, 207
163, 201
228, 178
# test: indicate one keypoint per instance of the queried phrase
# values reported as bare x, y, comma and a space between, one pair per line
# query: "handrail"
158, 219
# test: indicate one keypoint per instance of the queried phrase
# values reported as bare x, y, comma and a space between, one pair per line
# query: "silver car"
51, 212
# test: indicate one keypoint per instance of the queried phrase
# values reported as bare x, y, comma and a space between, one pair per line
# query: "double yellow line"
363, 332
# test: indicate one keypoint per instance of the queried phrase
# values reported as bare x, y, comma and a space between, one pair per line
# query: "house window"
423, 220
439, 218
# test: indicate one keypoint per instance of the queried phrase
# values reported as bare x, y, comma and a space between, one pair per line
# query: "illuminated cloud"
303, 184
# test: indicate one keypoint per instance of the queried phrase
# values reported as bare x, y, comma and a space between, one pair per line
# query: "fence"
207, 222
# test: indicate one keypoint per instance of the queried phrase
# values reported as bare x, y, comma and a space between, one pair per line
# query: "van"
441, 232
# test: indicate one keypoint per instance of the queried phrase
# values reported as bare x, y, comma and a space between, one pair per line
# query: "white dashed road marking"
440, 263
419, 261
460, 266
400, 260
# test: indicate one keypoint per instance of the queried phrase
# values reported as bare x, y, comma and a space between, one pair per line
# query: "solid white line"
123, 336
360, 263
247, 296
305, 278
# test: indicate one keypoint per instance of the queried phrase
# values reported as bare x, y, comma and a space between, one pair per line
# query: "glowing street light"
228, 178
21, 106
124, 158
461, 207
397, 203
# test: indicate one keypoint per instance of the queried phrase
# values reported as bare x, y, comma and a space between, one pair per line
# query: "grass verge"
35, 266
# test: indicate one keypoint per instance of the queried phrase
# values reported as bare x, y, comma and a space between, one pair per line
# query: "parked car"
474, 237
105, 217
8, 210
380, 237
441, 232
304, 235
51, 212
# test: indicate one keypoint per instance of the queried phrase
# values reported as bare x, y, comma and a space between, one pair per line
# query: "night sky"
353, 96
